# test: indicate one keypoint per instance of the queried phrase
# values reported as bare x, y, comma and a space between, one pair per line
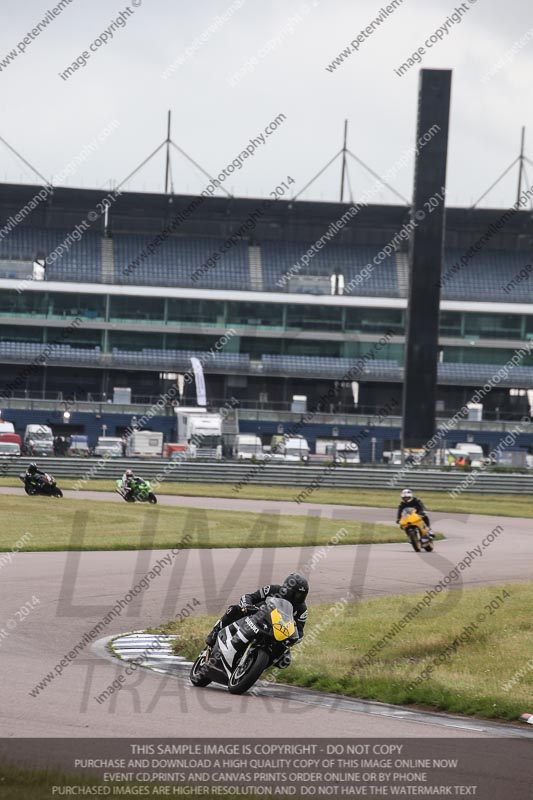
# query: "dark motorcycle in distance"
141, 492
45, 485
239, 668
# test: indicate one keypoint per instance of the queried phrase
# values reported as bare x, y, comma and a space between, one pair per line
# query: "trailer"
144, 444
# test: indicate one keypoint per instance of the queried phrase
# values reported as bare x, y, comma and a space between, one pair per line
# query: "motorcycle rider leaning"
294, 589
408, 500
33, 473
128, 481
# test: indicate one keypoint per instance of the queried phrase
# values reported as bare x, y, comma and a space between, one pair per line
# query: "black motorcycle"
45, 485
239, 668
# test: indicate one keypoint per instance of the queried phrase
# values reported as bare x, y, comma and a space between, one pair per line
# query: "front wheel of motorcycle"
58, 492
414, 539
152, 498
248, 671
197, 675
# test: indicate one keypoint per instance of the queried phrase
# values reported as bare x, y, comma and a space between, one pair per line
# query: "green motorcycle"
140, 492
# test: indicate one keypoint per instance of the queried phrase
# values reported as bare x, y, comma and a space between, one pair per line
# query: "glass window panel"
255, 314
21, 333
316, 318
303, 347
256, 347
450, 323
184, 341
389, 352
375, 320
131, 340
204, 312
140, 309
483, 355
26, 302
493, 326
73, 304
77, 337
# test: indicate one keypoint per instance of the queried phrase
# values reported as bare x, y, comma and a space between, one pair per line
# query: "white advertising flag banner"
201, 398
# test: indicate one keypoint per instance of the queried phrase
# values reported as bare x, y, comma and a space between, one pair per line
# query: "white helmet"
407, 495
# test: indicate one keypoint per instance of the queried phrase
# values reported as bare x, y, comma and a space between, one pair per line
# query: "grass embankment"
505, 505
45, 523
470, 679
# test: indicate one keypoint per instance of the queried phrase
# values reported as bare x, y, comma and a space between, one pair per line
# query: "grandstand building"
276, 298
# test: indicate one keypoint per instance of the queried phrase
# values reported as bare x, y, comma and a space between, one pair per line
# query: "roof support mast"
343, 172
167, 166
345, 175
520, 160
521, 165
166, 143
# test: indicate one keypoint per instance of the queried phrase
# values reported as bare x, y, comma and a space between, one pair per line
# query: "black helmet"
32, 468
294, 588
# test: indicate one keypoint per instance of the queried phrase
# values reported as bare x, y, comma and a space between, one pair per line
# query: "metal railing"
272, 410
276, 474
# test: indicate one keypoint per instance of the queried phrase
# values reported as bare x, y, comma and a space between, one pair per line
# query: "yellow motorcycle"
416, 529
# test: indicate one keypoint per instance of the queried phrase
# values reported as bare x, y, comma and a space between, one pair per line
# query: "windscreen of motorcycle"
281, 617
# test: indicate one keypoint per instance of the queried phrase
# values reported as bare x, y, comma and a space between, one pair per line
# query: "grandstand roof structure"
297, 220
252, 245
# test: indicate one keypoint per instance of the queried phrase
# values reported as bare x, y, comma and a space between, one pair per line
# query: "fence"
275, 474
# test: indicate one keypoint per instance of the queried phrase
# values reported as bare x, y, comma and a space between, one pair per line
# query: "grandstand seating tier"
79, 261
492, 275
178, 259
318, 367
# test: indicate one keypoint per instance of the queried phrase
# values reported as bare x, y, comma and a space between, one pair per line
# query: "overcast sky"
50, 120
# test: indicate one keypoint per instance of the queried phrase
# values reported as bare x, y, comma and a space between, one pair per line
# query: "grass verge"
38, 784
22, 784
505, 505
43, 523
472, 667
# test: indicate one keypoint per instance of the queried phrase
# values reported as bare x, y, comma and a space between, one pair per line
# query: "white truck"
200, 431
342, 451
474, 452
147, 444
248, 446
108, 446
294, 448
38, 440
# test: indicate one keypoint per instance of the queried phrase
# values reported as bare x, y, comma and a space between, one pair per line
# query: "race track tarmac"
76, 590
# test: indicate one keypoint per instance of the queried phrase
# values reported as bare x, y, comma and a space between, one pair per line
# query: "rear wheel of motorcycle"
428, 547
246, 674
196, 675
414, 539
152, 498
